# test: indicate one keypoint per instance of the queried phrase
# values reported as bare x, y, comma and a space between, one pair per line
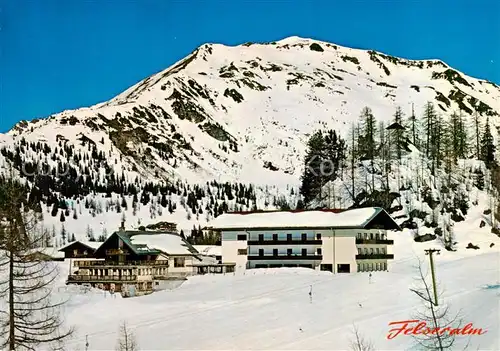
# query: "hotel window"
382, 251
385, 266
318, 236
359, 267
371, 236
261, 252
304, 252
318, 251
359, 236
289, 237
377, 237
261, 237
179, 261
377, 251
242, 251
359, 251
289, 252
304, 236
242, 237
371, 251
275, 252
275, 237
377, 266
366, 251
366, 236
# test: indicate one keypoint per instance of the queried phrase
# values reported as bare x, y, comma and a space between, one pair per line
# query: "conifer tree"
367, 142
29, 317
434, 128
397, 134
463, 143
429, 118
311, 180
477, 134
384, 155
449, 142
55, 209
413, 126
333, 155
487, 154
458, 136
63, 234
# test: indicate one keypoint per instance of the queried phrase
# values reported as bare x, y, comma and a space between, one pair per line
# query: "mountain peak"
244, 112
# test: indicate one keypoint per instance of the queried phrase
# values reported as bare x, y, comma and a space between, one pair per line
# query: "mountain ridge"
210, 86
230, 115
296, 40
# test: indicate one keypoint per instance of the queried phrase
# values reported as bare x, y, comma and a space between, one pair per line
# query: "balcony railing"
375, 257
286, 242
101, 278
117, 263
375, 241
113, 252
82, 255
285, 257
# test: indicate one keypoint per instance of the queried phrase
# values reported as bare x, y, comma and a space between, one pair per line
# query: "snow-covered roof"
209, 250
92, 244
49, 251
168, 243
355, 218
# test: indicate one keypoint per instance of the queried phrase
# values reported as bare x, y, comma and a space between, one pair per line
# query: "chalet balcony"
81, 255
284, 257
375, 241
115, 252
90, 264
375, 257
286, 242
101, 278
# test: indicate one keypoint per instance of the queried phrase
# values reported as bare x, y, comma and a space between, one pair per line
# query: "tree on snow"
435, 317
31, 318
126, 340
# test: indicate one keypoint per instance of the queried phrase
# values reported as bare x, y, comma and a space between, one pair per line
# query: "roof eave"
290, 228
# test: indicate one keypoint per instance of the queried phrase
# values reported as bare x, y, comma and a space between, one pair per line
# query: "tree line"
373, 150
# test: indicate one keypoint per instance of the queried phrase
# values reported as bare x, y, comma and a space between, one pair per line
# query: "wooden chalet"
136, 262
80, 249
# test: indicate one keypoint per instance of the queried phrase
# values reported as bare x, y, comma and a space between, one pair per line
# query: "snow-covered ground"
270, 309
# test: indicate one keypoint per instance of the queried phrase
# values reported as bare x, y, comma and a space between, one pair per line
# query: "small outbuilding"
80, 249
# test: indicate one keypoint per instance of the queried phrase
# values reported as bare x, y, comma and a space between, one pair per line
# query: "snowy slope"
269, 309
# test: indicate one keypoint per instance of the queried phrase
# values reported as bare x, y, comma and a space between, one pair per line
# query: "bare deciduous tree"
438, 319
359, 343
31, 317
126, 340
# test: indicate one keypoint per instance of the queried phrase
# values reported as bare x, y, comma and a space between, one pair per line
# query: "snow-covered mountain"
229, 112
237, 114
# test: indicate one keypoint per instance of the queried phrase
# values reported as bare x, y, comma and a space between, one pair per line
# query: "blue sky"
64, 54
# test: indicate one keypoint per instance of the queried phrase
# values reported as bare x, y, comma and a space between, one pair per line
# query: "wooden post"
430, 252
